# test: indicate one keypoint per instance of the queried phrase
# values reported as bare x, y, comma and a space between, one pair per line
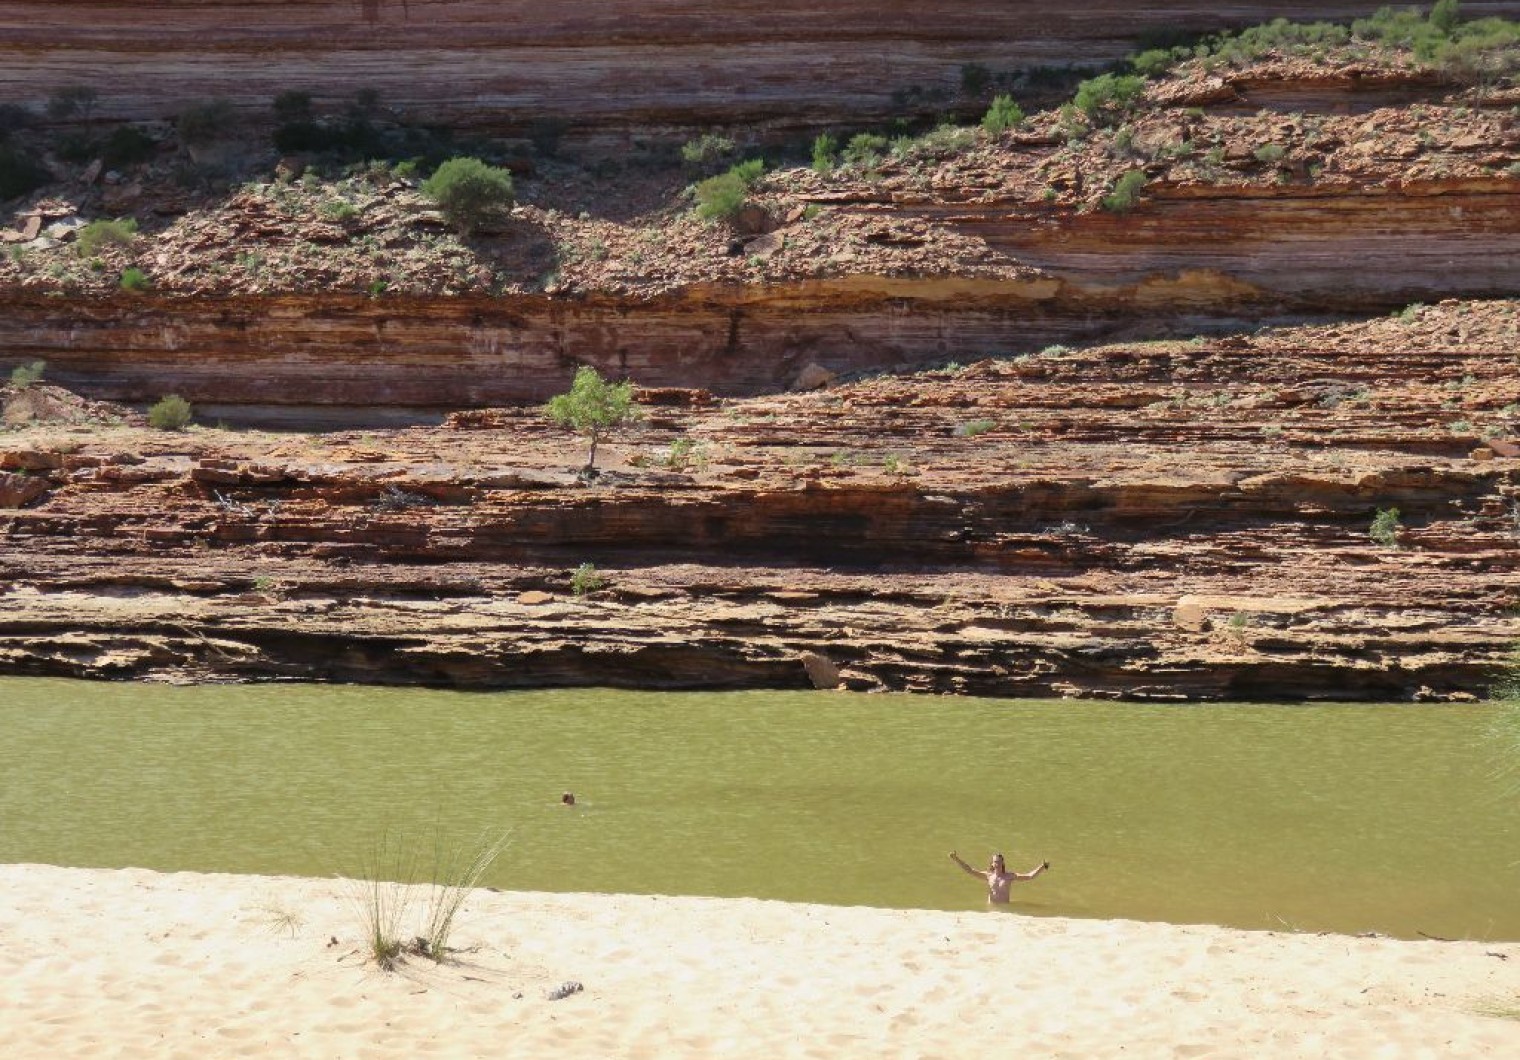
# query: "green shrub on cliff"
593, 407
1004, 114
1104, 100
172, 413
470, 193
24, 375
1481, 50
865, 150
292, 106
722, 197
206, 122
97, 235
825, 153
1154, 62
126, 146
72, 101
706, 153
1385, 528
585, 579
1445, 15
20, 173
974, 428
1126, 192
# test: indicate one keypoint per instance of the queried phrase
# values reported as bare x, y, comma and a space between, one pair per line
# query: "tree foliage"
171, 413
206, 123
723, 196
24, 375
96, 235
1126, 192
469, 192
593, 407
825, 152
1104, 100
1004, 114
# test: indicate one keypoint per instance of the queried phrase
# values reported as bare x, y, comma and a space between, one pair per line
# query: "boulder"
1189, 614
821, 670
122, 197
19, 490
765, 246
814, 377
754, 220
30, 460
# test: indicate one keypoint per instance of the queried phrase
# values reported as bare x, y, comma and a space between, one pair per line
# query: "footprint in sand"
235, 1032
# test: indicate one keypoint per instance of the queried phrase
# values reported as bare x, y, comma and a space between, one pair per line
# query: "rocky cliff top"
915, 205
1324, 512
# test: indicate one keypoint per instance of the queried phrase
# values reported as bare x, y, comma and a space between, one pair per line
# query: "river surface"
1395, 819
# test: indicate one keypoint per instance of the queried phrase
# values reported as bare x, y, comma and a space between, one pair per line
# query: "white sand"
138, 964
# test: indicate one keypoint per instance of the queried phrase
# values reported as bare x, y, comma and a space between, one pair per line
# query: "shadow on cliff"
518, 248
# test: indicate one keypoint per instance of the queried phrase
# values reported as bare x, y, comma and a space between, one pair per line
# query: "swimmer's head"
568, 798
997, 863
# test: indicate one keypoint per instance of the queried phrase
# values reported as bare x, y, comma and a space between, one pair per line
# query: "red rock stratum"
1144, 520
500, 63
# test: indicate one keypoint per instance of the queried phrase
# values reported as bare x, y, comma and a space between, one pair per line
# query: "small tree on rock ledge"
593, 407
470, 193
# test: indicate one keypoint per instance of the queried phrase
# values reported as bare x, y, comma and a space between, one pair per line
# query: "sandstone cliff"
348, 303
601, 62
1145, 520
1203, 507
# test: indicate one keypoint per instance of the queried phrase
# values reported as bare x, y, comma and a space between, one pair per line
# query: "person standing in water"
997, 877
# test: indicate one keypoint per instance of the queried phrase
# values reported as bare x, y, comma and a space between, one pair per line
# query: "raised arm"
1043, 866
956, 858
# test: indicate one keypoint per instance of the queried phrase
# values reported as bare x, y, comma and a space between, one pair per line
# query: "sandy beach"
107, 963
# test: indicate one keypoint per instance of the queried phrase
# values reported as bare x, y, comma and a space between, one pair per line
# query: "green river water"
1396, 819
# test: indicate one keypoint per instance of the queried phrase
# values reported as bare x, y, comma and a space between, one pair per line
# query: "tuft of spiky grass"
281, 920
457, 871
381, 892
386, 887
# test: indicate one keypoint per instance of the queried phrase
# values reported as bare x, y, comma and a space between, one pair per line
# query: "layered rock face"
1146, 520
1188, 258
599, 62
1210, 517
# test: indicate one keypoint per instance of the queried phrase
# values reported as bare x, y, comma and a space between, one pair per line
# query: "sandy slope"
133, 963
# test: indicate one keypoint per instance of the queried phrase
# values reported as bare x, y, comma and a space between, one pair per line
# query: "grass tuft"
380, 893
386, 888
456, 872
